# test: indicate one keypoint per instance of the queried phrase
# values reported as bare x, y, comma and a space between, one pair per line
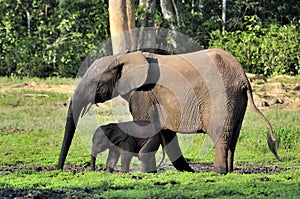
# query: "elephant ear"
134, 72
131, 70
115, 134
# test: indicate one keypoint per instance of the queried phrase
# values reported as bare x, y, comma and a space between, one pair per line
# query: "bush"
271, 50
49, 38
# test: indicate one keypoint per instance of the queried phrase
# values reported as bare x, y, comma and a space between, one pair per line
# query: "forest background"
42, 38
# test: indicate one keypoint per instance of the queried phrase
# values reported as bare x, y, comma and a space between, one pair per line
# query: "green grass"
285, 79
170, 184
252, 141
31, 132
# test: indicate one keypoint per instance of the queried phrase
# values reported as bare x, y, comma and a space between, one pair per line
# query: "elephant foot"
181, 165
109, 170
59, 167
220, 170
230, 169
155, 171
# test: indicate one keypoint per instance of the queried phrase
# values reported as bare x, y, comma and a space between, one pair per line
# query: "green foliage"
271, 50
201, 18
45, 39
287, 138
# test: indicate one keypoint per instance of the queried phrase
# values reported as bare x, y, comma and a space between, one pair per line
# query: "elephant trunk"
69, 134
93, 160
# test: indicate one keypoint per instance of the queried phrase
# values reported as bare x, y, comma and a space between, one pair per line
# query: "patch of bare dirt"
199, 167
268, 93
61, 88
241, 168
272, 93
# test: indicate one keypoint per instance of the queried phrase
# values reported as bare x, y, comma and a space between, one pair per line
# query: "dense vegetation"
263, 50
52, 38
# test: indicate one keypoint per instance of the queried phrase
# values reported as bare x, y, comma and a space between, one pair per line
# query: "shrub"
43, 38
271, 50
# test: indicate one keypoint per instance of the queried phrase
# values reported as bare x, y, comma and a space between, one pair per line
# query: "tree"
171, 12
122, 21
223, 13
146, 36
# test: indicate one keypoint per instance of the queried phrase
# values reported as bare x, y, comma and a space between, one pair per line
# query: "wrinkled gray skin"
119, 142
206, 91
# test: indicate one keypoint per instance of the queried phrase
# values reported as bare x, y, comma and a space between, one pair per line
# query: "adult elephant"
205, 91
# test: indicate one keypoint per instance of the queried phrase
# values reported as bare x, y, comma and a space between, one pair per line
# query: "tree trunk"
170, 11
131, 23
167, 10
147, 20
122, 21
223, 14
147, 36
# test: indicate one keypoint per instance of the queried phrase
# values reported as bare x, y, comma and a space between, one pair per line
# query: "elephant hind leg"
225, 142
148, 162
232, 146
237, 125
112, 159
221, 153
173, 151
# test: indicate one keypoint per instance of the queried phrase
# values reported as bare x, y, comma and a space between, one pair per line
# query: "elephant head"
100, 142
105, 79
105, 137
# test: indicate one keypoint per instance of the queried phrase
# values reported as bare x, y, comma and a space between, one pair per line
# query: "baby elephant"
138, 138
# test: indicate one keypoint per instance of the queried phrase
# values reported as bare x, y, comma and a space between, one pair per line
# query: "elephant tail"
272, 141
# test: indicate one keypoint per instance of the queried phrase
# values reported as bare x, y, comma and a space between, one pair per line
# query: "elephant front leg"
112, 159
126, 157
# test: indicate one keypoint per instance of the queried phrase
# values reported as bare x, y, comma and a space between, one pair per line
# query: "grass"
31, 132
286, 79
170, 184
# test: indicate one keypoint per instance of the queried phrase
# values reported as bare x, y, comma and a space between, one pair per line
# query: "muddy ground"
199, 167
